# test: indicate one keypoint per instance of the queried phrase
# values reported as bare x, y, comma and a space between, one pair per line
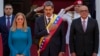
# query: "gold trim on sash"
51, 22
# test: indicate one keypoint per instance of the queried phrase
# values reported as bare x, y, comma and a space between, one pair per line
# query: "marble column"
1, 7
98, 19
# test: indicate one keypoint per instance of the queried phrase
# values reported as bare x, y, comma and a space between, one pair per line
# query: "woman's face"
20, 20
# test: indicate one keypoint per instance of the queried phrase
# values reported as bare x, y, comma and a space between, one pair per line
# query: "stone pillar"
1, 7
98, 19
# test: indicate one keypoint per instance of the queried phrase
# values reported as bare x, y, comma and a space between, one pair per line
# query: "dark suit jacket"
57, 42
31, 16
84, 42
4, 31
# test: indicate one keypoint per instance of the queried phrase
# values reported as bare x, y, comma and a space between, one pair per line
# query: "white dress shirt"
9, 18
49, 18
86, 22
48, 21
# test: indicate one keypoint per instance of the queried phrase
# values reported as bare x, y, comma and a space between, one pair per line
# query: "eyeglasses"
83, 10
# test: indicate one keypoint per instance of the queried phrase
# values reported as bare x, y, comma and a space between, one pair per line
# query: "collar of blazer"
80, 23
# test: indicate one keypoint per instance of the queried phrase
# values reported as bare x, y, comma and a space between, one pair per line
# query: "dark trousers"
84, 54
49, 52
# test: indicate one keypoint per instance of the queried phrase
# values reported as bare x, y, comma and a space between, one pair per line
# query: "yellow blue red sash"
45, 40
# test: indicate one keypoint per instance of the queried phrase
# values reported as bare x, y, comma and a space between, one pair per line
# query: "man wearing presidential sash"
49, 30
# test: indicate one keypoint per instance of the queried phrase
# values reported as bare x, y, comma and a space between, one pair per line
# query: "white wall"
98, 19
1, 7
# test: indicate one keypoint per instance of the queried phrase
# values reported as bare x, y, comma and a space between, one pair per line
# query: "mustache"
48, 13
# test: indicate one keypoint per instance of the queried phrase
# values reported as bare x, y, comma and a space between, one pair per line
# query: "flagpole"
98, 19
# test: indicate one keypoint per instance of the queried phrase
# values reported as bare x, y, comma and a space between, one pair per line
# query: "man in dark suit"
5, 24
56, 45
84, 35
31, 16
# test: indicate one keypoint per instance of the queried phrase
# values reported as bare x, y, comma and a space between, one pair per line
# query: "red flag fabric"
78, 2
1, 48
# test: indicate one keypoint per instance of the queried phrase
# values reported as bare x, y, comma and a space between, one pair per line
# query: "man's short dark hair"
48, 3
8, 5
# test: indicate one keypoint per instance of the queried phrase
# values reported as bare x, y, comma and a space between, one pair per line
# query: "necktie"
84, 26
8, 22
48, 21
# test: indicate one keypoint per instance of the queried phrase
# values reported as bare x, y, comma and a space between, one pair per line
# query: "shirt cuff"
48, 30
35, 10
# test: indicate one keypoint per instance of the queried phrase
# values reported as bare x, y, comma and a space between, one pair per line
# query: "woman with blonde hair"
20, 37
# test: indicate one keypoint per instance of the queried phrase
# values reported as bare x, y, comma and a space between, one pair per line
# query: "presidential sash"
45, 40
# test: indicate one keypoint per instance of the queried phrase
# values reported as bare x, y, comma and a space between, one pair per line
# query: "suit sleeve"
71, 37
30, 14
0, 25
0, 30
63, 48
39, 33
10, 44
96, 41
29, 40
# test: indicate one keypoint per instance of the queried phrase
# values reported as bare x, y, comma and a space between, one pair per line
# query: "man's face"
48, 10
8, 10
84, 12
76, 8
